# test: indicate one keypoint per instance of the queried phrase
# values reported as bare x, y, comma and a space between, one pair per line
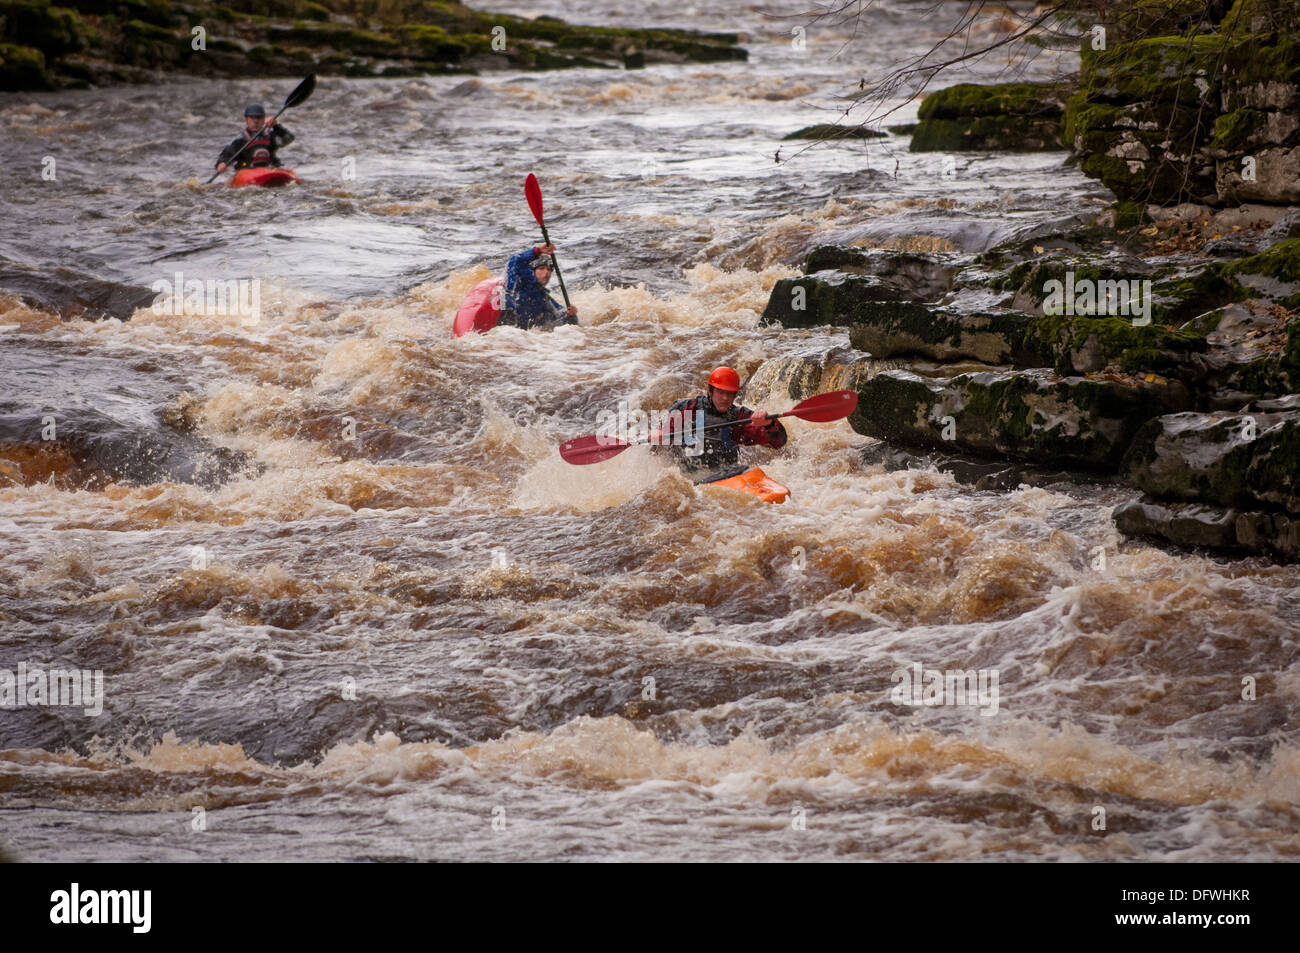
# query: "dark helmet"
543, 261
255, 110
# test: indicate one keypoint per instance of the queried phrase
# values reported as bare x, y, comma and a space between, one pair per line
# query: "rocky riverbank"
97, 42
1157, 344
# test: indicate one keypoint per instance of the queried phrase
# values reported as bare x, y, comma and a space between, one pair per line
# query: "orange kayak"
264, 175
754, 481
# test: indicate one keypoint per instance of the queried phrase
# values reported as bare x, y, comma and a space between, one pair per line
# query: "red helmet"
724, 378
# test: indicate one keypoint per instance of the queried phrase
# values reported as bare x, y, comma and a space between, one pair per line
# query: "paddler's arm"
229, 152
282, 135
762, 432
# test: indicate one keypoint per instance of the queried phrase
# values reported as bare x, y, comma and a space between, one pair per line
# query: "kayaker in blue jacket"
721, 449
259, 141
524, 301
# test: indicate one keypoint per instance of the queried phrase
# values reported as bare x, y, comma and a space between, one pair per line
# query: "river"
385, 621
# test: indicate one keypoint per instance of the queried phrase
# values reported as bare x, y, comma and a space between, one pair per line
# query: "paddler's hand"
547, 249
760, 420
221, 167
270, 121
572, 311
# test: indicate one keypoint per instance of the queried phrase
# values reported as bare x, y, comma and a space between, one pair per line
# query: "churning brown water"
348, 600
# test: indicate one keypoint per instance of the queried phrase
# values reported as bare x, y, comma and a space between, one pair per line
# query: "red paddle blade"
533, 192
826, 407
593, 449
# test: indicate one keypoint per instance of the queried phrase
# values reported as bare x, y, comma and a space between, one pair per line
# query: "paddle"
820, 409
533, 192
297, 97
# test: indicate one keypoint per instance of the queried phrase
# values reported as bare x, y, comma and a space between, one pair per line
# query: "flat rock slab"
1032, 415
1204, 526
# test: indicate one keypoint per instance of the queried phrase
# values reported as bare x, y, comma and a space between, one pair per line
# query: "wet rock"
1185, 524
827, 130
842, 283
73, 294
1201, 525
890, 329
799, 377
912, 275
1233, 459
22, 67
288, 37
122, 450
1010, 117
1203, 117
1032, 415
826, 298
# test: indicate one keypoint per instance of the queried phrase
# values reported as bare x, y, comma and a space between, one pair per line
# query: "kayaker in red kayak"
721, 446
256, 146
524, 301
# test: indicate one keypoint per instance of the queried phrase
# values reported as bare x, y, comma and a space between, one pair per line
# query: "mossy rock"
1281, 262
1008, 117
150, 46
431, 43
1158, 69
1082, 343
282, 9
1235, 131
987, 134
1261, 16
968, 100
1181, 298
340, 38
157, 12
1230, 459
1031, 415
55, 31
1144, 18
827, 130
991, 336
22, 68
1130, 214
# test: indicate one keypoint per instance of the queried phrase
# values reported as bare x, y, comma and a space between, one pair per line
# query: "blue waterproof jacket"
525, 302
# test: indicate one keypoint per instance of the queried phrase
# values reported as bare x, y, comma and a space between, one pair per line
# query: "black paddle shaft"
556, 262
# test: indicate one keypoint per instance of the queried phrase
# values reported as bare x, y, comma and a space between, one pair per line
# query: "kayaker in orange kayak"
256, 146
524, 301
721, 446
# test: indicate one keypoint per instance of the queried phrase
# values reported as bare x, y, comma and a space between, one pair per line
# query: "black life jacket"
720, 447
260, 150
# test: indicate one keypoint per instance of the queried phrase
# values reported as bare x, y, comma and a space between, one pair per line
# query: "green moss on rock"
1010, 117
1282, 262
22, 67
968, 100
826, 130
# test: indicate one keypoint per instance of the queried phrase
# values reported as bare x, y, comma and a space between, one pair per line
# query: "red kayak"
264, 175
480, 310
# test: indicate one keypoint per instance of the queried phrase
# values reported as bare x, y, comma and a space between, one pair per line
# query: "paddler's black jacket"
261, 152
721, 446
